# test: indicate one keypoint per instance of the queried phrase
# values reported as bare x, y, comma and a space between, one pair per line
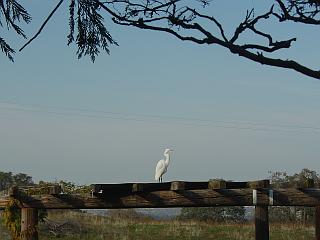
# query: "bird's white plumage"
161, 169
162, 165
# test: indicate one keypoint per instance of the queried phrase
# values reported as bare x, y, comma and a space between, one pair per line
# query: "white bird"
162, 165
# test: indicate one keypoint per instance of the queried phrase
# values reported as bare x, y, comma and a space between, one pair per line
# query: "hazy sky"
109, 121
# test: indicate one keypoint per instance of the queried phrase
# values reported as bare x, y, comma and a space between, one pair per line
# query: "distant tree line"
8, 179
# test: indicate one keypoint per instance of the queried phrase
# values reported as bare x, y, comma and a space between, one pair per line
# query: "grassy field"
77, 225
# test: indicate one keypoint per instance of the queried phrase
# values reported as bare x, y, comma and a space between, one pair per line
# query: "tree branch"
299, 15
185, 18
11, 21
142, 25
289, 64
210, 18
177, 18
42, 26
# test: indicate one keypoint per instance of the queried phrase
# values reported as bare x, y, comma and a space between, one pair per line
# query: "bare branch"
42, 26
183, 17
162, 29
178, 18
276, 46
289, 64
304, 11
249, 23
218, 24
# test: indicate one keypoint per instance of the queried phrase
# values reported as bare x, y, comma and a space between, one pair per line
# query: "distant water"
163, 213
160, 213
156, 213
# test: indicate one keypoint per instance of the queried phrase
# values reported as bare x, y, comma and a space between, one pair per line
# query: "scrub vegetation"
123, 224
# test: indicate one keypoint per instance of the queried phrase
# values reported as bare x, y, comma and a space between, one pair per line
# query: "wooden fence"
170, 194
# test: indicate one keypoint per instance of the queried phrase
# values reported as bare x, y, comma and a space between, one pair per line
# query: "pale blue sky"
226, 117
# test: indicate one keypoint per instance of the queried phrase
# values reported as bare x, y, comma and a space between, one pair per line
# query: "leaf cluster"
12, 218
91, 32
87, 27
11, 13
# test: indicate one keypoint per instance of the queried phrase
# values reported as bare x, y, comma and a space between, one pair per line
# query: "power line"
102, 114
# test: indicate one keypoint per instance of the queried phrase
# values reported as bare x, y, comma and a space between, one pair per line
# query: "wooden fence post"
29, 224
261, 215
316, 217
310, 184
317, 222
261, 223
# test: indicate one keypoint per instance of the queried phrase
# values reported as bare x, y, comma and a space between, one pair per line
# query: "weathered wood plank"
247, 184
183, 198
29, 224
261, 212
235, 185
261, 223
177, 186
317, 222
217, 184
128, 188
258, 184
137, 187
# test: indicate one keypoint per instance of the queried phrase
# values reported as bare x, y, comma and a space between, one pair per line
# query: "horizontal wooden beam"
128, 188
171, 198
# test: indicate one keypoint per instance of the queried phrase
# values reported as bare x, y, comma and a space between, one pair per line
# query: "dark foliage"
11, 12
85, 22
8, 179
91, 31
184, 19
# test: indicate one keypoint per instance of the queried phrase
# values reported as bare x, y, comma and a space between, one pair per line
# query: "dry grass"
86, 226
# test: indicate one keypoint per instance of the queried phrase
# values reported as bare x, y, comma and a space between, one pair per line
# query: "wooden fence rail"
179, 198
175, 194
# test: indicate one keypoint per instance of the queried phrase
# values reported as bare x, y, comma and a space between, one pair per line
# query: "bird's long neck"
167, 158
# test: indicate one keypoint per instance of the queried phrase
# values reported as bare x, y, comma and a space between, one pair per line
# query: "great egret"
162, 165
